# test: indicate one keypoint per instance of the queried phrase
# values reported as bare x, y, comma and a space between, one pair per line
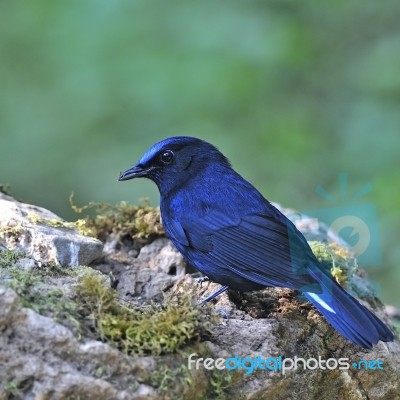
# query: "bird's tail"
350, 318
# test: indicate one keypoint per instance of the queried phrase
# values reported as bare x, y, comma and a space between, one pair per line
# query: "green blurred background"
294, 93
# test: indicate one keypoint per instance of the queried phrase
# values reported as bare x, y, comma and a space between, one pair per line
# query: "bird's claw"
202, 279
212, 296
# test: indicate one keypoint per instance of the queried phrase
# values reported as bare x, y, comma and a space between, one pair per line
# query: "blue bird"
226, 229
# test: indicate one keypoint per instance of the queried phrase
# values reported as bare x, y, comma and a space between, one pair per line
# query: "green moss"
51, 269
23, 283
91, 308
171, 381
173, 378
153, 329
34, 293
340, 275
220, 381
8, 258
177, 382
42, 299
123, 219
79, 225
140, 222
14, 389
335, 258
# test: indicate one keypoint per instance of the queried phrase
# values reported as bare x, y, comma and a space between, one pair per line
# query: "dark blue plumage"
233, 235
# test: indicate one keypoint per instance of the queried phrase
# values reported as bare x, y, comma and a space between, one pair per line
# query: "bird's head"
173, 161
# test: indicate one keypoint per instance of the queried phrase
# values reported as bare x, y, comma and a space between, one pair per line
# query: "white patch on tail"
321, 302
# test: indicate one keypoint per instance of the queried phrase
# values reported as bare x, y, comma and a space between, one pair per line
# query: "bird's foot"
202, 279
213, 295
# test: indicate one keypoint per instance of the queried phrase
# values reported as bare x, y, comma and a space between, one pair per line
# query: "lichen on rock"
153, 329
43, 235
135, 221
124, 326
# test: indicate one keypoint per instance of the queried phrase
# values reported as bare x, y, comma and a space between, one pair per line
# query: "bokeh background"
293, 92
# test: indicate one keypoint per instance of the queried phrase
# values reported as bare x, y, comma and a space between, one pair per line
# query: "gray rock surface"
38, 353
42, 357
155, 269
43, 235
291, 329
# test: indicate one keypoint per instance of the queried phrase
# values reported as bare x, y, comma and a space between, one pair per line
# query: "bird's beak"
133, 172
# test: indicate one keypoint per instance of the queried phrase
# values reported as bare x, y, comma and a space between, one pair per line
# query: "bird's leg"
202, 279
213, 295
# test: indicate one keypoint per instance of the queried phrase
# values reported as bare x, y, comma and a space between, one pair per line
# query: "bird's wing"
264, 248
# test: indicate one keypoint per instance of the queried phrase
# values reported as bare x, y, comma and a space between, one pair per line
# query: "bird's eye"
167, 156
